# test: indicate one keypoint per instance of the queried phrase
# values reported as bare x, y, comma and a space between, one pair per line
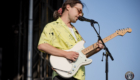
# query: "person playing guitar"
61, 35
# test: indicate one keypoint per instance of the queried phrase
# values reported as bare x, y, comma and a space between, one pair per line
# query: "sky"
112, 15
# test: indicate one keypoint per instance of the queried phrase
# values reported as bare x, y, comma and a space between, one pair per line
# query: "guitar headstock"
121, 32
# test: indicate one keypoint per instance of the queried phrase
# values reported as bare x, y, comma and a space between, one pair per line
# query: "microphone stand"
105, 48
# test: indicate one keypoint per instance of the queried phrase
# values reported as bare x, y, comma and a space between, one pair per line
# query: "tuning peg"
125, 29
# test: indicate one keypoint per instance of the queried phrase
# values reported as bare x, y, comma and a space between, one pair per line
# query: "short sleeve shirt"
58, 35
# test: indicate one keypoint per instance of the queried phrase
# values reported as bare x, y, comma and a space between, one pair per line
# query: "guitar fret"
88, 49
94, 46
109, 37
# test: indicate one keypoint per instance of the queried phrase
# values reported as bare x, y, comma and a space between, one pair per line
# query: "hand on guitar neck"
100, 46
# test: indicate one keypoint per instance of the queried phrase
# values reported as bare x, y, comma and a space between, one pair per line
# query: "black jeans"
60, 78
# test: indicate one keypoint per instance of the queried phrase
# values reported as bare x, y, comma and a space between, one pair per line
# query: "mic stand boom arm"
107, 51
92, 22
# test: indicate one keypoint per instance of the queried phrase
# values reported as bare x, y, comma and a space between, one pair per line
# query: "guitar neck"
110, 37
89, 51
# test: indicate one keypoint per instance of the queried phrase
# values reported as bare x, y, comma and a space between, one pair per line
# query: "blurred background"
14, 38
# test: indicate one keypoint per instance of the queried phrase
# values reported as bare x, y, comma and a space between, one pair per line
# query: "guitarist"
61, 35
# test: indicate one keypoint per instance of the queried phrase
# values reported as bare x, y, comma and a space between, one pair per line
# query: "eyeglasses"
79, 11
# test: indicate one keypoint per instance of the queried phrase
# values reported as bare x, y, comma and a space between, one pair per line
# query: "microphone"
81, 18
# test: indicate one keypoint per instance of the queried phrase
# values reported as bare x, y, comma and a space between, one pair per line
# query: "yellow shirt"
58, 35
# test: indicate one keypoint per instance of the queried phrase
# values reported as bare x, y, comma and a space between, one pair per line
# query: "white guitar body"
66, 68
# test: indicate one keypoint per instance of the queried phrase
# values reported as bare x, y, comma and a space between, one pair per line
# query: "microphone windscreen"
81, 18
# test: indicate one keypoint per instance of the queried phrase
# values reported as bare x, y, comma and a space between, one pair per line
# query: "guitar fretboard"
94, 46
109, 37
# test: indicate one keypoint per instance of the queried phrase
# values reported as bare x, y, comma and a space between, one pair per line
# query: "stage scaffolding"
42, 13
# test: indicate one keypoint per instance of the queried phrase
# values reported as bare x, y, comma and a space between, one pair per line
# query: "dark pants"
60, 78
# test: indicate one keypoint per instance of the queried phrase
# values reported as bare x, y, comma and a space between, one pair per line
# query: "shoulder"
52, 24
49, 25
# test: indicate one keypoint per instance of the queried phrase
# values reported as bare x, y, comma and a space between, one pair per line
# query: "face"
75, 12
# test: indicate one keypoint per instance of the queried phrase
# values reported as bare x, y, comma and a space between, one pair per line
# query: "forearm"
51, 50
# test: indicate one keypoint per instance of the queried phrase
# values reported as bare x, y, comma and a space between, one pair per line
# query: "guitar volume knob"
74, 66
73, 69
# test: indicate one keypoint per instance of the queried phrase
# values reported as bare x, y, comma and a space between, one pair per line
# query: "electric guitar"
66, 68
